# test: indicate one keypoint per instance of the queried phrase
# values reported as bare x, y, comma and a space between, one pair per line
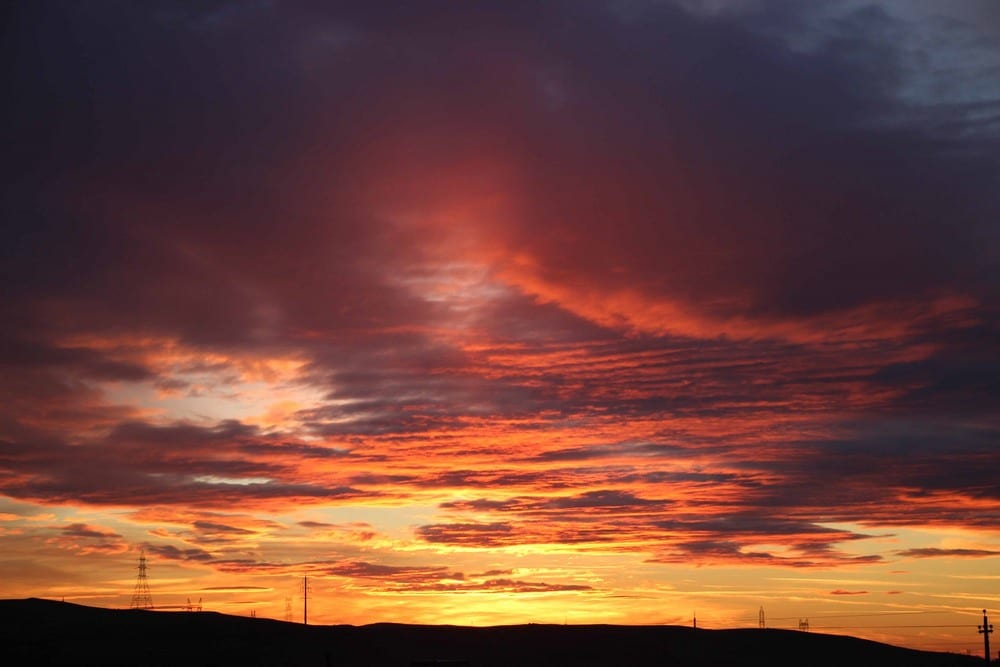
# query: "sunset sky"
506, 312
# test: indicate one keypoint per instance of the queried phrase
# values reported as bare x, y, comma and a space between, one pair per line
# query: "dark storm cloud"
85, 362
759, 158
961, 379
881, 462
261, 179
162, 219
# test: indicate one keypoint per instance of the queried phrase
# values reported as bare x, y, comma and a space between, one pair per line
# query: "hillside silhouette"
44, 632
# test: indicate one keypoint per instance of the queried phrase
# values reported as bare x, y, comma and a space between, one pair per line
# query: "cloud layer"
712, 286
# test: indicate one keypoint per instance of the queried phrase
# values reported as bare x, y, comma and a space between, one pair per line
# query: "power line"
874, 613
862, 627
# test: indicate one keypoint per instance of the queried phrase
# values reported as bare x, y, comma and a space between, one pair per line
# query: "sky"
506, 312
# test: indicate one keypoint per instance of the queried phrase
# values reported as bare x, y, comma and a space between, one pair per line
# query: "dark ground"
43, 632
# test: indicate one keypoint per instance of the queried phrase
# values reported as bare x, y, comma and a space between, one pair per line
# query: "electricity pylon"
141, 598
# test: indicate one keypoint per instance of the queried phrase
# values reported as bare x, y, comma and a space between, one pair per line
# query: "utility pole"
760, 619
985, 629
305, 600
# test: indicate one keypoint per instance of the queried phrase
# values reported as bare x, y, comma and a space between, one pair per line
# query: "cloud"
470, 534
371, 576
661, 279
85, 531
506, 586
366, 570
722, 551
491, 573
602, 500
171, 552
933, 552
139, 463
85, 362
86, 539
605, 451
210, 527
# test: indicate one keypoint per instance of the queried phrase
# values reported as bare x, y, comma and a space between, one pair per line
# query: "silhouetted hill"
43, 632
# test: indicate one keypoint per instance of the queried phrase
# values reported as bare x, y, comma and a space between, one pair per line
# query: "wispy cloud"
933, 552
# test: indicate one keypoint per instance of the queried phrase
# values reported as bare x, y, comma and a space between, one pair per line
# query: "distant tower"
804, 625
760, 619
141, 598
694, 620
288, 609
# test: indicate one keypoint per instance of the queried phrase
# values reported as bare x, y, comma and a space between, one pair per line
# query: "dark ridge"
44, 632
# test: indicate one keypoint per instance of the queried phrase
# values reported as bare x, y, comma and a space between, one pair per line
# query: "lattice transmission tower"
141, 598
760, 619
